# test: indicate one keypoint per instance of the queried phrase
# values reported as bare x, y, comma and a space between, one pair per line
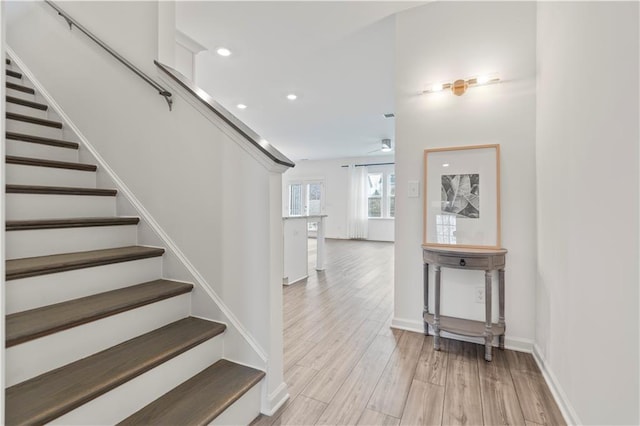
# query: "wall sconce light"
459, 87
386, 145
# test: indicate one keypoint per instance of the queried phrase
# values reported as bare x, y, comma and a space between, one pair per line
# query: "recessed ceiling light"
445, 165
223, 51
292, 96
241, 106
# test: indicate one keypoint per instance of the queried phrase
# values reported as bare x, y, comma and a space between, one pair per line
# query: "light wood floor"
345, 365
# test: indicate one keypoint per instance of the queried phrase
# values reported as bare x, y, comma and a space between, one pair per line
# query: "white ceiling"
338, 57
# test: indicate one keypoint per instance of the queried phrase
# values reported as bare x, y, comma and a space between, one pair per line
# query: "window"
391, 194
374, 194
295, 199
381, 193
314, 194
306, 198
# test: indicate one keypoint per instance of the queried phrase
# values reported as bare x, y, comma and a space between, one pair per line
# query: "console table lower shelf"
464, 327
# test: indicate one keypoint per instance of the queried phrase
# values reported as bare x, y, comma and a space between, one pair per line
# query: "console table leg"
436, 314
501, 312
425, 285
488, 331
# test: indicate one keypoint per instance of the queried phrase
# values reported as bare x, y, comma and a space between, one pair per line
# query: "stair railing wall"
202, 191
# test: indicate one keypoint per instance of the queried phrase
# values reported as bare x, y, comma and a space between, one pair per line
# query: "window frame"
386, 172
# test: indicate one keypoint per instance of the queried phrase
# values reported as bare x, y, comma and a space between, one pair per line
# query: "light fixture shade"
460, 86
386, 145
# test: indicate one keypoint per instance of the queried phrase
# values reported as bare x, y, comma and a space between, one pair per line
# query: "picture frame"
461, 193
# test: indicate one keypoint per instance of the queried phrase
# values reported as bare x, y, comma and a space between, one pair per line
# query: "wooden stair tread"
59, 190
33, 120
40, 140
34, 323
24, 102
20, 88
52, 394
15, 74
80, 222
200, 399
26, 161
40, 265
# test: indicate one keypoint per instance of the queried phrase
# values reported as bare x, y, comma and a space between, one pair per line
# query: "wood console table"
486, 260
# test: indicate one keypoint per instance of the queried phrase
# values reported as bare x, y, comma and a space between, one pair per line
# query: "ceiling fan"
385, 146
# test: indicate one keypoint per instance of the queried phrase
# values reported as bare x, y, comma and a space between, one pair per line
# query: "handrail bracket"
72, 22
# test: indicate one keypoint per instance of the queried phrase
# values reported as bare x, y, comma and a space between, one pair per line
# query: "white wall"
208, 194
336, 181
445, 41
587, 190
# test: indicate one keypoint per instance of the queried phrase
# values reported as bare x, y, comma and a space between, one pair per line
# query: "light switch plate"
413, 189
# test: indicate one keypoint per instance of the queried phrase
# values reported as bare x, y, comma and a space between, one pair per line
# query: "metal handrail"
72, 22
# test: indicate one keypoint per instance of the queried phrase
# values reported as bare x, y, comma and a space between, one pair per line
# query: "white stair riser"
25, 110
30, 359
243, 411
43, 242
121, 402
42, 206
33, 129
33, 292
20, 94
45, 152
49, 176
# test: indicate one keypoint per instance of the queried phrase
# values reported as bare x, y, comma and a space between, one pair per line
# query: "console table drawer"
463, 262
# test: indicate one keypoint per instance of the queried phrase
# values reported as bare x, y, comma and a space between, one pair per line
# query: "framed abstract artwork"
462, 196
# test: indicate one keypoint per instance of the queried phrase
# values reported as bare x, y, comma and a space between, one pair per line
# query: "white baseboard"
285, 281
569, 414
407, 324
514, 343
272, 402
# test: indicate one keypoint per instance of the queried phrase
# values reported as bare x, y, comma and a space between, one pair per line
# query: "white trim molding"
272, 402
567, 410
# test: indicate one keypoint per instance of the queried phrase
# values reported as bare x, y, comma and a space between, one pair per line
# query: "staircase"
94, 333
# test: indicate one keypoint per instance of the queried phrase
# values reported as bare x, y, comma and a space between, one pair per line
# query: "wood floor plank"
424, 404
327, 382
536, 400
297, 378
522, 362
432, 365
461, 351
330, 347
293, 353
462, 402
350, 401
374, 418
392, 389
302, 411
500, 405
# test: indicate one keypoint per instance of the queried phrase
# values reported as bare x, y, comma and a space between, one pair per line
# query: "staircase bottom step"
201, 399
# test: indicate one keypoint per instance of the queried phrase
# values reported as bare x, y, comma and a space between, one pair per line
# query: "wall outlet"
413, 189
479, 294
